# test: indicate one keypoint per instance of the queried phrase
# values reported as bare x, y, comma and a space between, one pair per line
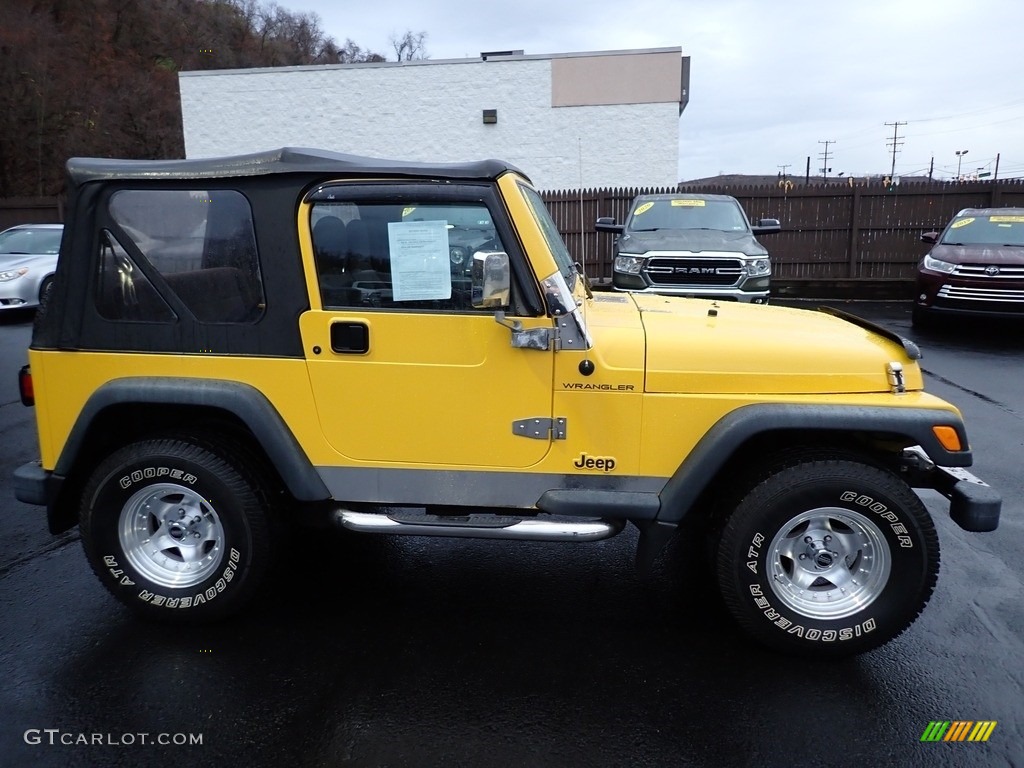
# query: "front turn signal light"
948, 437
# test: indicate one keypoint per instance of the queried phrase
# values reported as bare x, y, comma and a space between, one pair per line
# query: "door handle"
350, 337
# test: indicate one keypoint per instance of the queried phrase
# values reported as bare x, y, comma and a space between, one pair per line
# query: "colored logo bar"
958, 730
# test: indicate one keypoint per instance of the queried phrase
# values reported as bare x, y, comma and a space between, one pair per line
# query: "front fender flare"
721, 442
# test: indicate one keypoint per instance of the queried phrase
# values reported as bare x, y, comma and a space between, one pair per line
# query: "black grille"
694, 271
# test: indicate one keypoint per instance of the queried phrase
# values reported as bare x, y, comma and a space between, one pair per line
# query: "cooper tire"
176, 531
828, 559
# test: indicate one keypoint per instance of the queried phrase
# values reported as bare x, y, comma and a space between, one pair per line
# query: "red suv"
976, 267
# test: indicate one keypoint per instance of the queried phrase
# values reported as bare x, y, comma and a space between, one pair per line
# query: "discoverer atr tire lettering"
828, 558
175, 530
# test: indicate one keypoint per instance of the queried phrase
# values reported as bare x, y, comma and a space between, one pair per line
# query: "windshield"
687, 213
30, 240
551, 235
996, 229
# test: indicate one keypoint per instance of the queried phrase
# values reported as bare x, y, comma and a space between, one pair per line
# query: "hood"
30, 260
692, 240
699, 346
979, 254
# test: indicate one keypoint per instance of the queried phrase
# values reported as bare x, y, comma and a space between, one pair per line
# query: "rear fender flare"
250, 406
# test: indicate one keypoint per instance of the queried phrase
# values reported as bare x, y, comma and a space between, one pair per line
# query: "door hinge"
542, 339
540, 429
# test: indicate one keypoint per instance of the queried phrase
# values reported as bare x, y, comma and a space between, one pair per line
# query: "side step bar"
479, 526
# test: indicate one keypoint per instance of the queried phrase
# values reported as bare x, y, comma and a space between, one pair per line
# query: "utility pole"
895, 144
931, 168
996, 174
783, 168
807, 173
824, 159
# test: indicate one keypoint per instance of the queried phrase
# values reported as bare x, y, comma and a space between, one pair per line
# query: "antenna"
583, 238
586, 367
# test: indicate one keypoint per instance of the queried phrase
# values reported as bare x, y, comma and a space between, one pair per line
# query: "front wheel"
45, 288
175, 531
828, 559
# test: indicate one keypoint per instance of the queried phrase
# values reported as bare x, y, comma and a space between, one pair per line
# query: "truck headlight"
938, 266
630, 265
12, 274
758, 267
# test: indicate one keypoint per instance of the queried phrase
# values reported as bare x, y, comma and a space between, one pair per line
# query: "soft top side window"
199, 243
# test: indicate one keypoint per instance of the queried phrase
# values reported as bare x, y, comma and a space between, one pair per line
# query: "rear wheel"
175, 530
828, 558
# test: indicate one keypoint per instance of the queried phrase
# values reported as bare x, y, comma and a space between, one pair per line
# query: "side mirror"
491, 280
766, 226
607, 224
930, 237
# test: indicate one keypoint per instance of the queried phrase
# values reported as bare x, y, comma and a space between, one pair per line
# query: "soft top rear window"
202, 245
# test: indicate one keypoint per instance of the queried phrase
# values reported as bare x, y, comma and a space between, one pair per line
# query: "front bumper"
973, 504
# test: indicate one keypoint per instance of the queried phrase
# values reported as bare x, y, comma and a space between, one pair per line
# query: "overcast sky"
770, 81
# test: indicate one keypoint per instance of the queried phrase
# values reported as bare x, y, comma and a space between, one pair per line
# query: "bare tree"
410, 46
100, 77
351, 53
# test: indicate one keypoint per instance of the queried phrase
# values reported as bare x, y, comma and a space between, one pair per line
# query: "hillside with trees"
100, 77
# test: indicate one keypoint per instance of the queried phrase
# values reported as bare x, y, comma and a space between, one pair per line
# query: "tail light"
28, 393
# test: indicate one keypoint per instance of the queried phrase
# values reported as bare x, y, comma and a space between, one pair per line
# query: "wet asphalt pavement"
432, 652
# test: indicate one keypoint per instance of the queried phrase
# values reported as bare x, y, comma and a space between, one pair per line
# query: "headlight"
938, 266
630, 265
12, 274
759, 267
457, 255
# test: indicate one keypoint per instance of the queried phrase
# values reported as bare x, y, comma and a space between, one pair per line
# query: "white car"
28, 259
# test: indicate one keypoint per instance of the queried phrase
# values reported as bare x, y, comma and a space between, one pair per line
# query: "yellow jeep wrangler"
238, 344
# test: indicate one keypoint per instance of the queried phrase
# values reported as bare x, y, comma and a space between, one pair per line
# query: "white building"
600, 119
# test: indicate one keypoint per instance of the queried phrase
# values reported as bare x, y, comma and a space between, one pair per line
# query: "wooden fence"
30, 210
830, 232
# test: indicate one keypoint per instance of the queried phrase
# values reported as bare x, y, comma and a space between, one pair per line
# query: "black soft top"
277, 161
